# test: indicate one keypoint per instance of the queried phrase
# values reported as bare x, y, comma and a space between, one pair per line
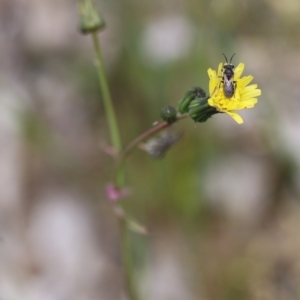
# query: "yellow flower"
244, 95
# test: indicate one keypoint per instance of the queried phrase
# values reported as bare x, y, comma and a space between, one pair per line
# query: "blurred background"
222, 206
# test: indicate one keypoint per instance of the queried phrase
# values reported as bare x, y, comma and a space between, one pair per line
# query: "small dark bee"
229, 84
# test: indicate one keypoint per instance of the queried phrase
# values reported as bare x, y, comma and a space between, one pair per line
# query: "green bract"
90, 20
189, 96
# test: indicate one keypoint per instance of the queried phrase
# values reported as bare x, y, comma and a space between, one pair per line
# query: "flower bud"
169, 114
183, 105
90, 20
200, 110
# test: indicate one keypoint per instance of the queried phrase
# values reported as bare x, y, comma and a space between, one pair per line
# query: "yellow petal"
212, 86
210, 102
220, 68
245, 81
250, 87
211, 73
213, 82
251, 94
229, 104
246, 104
238, 71
235, 117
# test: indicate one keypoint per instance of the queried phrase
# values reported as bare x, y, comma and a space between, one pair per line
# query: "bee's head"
228, 65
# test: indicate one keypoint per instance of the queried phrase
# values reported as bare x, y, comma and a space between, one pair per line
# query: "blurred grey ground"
222, 206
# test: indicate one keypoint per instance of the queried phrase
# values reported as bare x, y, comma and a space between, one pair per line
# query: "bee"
229, 85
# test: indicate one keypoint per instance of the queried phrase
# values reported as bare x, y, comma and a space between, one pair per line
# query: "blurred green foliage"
169, 195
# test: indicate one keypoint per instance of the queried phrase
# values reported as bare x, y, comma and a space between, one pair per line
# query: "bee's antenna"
232, 57
225, 57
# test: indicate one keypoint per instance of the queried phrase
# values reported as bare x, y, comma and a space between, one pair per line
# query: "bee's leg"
218, 87
221, 82
235, 85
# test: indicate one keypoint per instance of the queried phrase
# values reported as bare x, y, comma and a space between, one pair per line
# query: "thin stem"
147, 134
127, 261
127, 150
116, 141
126, 255
109, 109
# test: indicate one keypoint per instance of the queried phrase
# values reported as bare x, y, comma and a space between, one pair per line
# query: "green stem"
126, 255
108, 106
116, 141
127, 261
